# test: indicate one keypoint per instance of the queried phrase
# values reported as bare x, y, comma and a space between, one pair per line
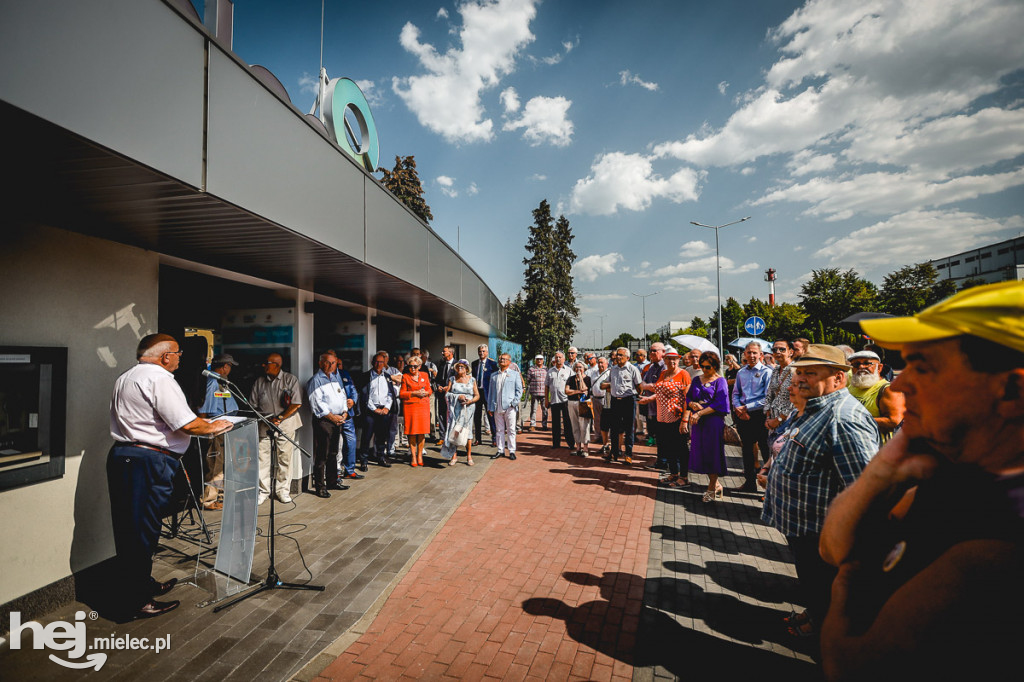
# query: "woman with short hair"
707, 403
461, 396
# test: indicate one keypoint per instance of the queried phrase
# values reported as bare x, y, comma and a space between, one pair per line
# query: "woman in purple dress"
707, 403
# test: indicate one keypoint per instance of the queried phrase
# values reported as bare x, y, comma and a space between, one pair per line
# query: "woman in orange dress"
415, 396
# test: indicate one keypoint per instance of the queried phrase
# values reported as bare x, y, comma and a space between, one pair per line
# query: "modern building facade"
993, 263
162, 184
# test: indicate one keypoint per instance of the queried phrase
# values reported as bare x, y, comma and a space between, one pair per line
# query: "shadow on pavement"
620, 625
724, 541
742, 579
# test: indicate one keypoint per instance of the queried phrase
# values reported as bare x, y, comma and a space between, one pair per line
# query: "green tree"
732, 320
913, 288
698, 327
548, 319
831, 295
622, 340
971, 282
404, 182
515, 318
782, 321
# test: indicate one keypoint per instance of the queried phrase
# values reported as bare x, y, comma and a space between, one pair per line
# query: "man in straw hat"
929, 541
827, 445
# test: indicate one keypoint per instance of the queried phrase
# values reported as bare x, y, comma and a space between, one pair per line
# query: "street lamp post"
643, 297
718, 277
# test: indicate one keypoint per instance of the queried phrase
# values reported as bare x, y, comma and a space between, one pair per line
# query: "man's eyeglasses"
269, 362
780, 349
174, 352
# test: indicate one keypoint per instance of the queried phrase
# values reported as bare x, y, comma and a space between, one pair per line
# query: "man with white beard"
867, 385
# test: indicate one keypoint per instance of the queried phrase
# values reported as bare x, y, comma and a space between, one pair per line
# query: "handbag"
586, 410
730, 436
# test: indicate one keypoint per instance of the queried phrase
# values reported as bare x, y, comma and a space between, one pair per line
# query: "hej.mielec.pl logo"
71, 637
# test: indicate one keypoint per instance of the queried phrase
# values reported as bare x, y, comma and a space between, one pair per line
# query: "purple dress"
707, 449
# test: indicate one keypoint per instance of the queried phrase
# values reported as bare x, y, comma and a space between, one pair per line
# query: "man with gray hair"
482, 371
558, 401
623, 384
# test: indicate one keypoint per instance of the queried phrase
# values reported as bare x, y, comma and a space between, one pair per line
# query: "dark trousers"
752, 431
326, 441
673, 447
141, 484
377, 427
478, 427
560, 419
814, 574
622, 411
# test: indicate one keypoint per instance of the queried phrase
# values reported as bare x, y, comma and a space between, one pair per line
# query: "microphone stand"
273, 580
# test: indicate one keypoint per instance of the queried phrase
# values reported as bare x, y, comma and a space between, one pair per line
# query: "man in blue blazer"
482, 371
503, 397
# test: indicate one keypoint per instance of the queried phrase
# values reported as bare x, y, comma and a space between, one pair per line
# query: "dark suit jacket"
484, 385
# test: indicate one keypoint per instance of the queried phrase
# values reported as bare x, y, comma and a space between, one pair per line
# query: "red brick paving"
545, 528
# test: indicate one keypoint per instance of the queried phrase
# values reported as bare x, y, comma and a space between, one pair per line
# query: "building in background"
994, 263
156, 182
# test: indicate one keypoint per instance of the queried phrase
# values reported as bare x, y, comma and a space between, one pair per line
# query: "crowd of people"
901, 496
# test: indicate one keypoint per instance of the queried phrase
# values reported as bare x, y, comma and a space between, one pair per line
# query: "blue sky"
869, 135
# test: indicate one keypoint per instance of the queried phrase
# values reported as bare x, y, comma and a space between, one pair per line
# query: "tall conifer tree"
404, 183
549, 306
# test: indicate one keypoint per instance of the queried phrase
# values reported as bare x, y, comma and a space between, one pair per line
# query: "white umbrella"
691, 341
745, 341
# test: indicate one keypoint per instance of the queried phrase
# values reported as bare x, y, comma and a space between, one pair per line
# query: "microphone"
214, 375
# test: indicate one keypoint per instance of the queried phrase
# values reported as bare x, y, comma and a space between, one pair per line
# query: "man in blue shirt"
482, 371
218, 401
331, 401
749, 397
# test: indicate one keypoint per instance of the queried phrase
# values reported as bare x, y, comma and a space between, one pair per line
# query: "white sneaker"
263, 497
284, 498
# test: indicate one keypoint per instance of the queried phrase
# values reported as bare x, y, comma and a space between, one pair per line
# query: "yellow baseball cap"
994, 312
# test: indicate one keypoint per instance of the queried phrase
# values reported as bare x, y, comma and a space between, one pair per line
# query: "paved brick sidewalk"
516, 585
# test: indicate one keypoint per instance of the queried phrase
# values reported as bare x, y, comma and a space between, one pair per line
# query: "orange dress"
416, 410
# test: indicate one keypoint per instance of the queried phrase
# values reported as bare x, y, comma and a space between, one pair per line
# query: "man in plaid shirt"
537, 385
827, 445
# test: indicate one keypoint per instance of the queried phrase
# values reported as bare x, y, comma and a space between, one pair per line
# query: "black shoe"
497, 455
160, 589
745, 488
156, 608
511, 455
364, 465
383, 461
337, 485
322, 493
354, 476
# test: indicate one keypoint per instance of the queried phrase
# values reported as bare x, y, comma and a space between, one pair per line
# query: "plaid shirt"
825, 451
538, 378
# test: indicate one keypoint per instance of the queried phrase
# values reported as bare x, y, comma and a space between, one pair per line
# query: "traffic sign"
754, 325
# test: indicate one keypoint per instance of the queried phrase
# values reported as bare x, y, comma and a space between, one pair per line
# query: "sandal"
795, 618
802, 631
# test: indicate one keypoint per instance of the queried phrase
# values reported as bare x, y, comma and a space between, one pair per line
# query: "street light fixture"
718, 277
643, 297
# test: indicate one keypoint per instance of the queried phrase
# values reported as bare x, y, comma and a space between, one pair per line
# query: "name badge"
219, 394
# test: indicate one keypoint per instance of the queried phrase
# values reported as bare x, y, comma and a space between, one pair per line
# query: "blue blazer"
511, 392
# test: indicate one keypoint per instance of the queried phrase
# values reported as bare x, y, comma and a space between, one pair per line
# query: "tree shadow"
623, 626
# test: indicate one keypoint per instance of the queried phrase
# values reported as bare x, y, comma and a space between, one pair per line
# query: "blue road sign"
754, 326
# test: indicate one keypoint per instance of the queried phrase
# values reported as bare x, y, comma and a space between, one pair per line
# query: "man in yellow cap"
929, 541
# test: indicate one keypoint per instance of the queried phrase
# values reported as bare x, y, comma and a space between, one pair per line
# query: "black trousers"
814, 574
622, 411
560, 420
752, 431
326, 441
141, 483
441, 406
673, 447
378, 427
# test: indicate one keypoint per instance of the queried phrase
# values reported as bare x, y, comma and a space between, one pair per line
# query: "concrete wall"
97, 298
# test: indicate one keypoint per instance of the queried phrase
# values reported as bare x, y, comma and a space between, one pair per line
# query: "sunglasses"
706, 367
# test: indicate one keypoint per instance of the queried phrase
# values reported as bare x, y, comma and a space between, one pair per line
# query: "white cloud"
447, 185
538, 177
544, 120
603, 297
882, 193
723, 86
509, 99
806, 161
644, 265
442, 13
704, 264
916, 236
567, 47
309, 84
751, 240
626, 78
629, 181
446, 99
748, 170
472, 189
589, 268
374, 97
685, 283
695, 249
